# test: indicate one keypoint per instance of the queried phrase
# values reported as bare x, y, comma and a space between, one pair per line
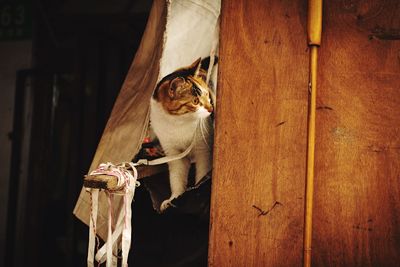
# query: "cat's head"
185, 90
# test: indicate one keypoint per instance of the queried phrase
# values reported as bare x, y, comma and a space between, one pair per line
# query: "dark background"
77, 54
61, 68
80, 54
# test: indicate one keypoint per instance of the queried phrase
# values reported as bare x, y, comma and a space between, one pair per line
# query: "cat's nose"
209, 108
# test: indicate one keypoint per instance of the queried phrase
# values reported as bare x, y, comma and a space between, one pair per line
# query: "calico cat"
180, 112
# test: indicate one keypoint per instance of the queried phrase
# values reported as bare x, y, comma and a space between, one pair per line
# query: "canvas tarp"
177, 33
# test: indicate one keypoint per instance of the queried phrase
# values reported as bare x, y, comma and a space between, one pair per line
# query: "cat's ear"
174, 85
200, 67
197, 70
194, 68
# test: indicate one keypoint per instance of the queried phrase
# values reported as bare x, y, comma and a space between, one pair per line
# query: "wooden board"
110, 182
357, 184
260, 142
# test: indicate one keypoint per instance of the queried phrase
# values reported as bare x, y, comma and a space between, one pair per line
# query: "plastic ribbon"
125, 186
126, 183
94, 197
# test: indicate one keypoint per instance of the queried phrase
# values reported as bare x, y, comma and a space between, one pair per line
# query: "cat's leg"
178, 177
203, 159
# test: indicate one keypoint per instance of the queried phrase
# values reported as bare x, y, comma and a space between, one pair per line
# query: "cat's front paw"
166, 204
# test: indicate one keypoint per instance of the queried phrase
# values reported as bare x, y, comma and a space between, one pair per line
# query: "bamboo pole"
314, 22
310, 160
314, 29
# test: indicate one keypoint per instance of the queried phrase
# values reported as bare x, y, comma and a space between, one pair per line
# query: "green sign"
15, 21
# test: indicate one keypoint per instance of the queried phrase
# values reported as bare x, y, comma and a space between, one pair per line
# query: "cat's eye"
195, 100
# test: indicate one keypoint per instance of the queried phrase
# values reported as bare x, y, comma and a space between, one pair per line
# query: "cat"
180, 113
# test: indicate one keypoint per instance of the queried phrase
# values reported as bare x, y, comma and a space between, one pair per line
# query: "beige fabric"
121, 138
188, 33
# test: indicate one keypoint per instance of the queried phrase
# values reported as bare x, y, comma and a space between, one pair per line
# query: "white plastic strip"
101, 254
167, 158
109, 237
123, 226
127, 232
92, 227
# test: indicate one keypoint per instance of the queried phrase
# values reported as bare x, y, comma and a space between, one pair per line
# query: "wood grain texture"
357, 179
260, 142
110, 182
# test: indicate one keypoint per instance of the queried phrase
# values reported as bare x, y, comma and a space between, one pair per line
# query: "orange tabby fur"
180, 114
177, 96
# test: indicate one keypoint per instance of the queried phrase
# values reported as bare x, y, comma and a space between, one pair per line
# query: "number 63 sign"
15, 21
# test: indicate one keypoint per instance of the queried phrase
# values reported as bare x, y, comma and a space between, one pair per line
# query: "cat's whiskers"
204, 131
180, 112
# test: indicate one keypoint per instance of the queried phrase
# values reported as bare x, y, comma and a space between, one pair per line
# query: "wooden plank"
260, 142
111, 182
357, 184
